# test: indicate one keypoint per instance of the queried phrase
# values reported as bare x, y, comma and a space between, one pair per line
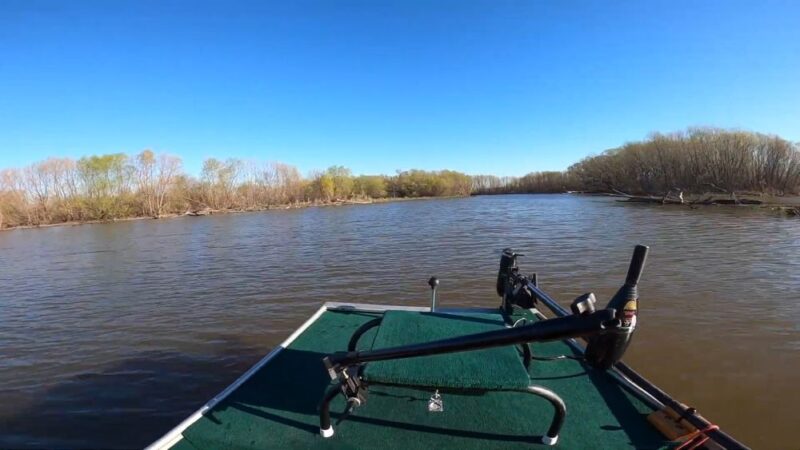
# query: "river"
110, 334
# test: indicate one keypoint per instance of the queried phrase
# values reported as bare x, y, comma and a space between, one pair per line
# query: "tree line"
116, 186
695, 161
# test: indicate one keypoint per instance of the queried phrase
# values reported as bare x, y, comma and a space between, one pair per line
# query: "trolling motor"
513, 287
607, 330
608, 346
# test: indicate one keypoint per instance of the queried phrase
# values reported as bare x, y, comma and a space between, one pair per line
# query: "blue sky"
503, 87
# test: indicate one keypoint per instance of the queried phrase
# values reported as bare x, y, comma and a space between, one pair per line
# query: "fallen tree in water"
681, 200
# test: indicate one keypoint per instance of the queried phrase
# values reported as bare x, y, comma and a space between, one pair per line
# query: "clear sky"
503, 87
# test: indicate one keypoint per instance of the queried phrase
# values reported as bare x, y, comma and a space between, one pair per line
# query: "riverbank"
202, 212
786, 205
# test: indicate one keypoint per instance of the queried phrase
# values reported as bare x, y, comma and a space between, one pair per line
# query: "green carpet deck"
277, 407
494, 368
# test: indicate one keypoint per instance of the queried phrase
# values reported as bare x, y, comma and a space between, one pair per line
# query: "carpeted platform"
277, 407
494, 368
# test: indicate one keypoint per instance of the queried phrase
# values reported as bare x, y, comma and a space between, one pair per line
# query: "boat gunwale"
175, 435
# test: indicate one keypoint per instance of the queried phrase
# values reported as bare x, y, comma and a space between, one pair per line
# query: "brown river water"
111, 334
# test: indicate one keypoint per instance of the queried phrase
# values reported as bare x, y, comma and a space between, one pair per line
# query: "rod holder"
433, 283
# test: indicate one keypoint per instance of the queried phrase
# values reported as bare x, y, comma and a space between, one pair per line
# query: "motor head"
511, 286
508, 263
608, 347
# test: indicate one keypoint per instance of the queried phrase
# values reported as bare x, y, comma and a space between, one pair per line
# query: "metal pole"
550, 330
433, 283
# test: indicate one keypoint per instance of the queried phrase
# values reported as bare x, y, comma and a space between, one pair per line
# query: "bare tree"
155, 176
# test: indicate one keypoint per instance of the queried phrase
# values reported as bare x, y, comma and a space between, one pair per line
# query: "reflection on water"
111, 334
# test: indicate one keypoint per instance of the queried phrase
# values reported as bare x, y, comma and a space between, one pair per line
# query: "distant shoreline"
789, 205
212, 212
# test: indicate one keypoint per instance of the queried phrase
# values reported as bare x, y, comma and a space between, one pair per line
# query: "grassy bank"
210, 212
785, 205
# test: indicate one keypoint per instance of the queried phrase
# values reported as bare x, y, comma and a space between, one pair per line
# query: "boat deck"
275, 405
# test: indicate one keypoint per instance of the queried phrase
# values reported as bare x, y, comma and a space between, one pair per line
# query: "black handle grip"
637, 264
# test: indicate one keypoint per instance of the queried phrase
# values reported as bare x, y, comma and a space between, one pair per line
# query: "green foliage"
106, 180
372, 186
342, 180
327, 187
420, 183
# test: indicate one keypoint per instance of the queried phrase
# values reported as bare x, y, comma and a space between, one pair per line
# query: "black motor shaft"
547, 330
608, 347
